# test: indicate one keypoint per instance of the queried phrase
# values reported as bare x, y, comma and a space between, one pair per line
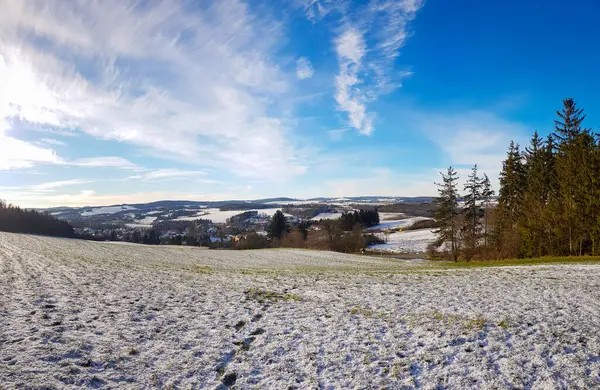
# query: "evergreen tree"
303, 227
16, 220
472, 212
594, 196
278, 226
534, 197
447, 213
153, 238
512, 180
568, 126
136, 237
569, 158
486, 195
549, 200
552, 204
510, 199
585, 189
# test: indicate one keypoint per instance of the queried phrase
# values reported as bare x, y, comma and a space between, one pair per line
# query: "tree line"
345, 234
548, 201
461, 230
16, 220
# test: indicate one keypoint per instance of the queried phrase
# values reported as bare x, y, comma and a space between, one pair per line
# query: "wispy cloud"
52, 141
367, 46
304, 69
57, 184
191, 83
469, 137
337, 134
43, 188
350, 48
17, 154
93, 198
106, 162
316, 10
170, 174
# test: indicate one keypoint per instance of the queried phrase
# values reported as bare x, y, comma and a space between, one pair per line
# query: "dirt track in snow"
76, 313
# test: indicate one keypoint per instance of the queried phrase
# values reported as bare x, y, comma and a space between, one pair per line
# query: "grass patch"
517, 262
503, 324
273, 296
365, 311
220, 371
202, 269
476, 323
446, 319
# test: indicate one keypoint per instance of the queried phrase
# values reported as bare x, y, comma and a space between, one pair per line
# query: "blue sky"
122, 101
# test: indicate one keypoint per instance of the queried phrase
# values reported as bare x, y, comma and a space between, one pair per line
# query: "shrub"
371, 239
294, 239
252, 241
423, 224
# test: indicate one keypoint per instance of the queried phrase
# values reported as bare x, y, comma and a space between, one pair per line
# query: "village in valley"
227, 223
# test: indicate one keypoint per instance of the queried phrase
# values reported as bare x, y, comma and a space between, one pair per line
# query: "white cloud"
367, 49
350, 48
107, 162
384, 182
316, 10
170, 173
337, 134
470, 137
304, 69
57, 184
16, 154
187, 82
52, 141
93, 198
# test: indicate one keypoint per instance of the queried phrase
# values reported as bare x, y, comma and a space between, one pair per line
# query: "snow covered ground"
218, 216
321, 216
76, 314
397, 223
405, 242
106, 210
145, 222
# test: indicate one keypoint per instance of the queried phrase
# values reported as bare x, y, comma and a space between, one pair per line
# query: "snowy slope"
106, 210
334, 215
218, 216
77, 314
396, 224
405, 242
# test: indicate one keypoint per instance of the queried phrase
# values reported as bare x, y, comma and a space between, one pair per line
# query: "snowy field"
76, 314
333, 215
396, 223
218, 216
145, 222
106, 210
405, 242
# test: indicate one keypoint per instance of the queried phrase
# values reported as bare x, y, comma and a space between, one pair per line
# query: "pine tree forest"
548, 202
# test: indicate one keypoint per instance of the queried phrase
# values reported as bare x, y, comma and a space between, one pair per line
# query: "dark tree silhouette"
278, 226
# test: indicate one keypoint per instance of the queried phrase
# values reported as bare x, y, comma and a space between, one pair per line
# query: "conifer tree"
510, 199
278, 226
567, 131
472, 212
512, 180
549, 200
447, 213
486, 195
552, 204
534, 197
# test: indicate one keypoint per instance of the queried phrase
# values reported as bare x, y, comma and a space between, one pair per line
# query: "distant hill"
169, 209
